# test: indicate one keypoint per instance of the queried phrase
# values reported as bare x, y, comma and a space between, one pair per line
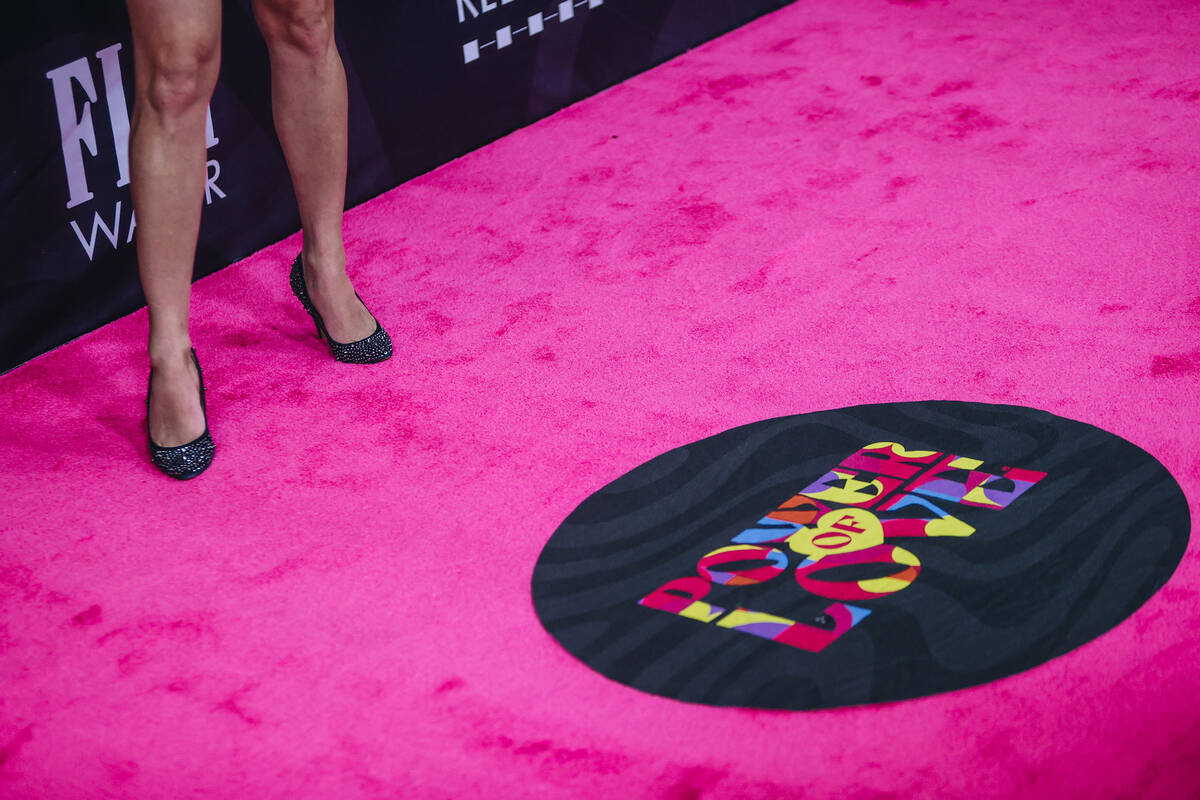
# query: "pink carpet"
837, 204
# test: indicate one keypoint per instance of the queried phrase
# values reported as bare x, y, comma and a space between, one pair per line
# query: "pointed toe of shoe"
371, 350
186, 460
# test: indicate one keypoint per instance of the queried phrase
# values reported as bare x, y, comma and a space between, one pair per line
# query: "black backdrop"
429, 80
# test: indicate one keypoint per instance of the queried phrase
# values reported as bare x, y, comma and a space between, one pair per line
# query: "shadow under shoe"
371, 350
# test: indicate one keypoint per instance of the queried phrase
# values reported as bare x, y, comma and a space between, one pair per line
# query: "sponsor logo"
528, 27
99, 159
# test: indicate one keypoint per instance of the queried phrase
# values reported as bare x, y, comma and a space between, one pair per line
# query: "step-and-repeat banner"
429, 80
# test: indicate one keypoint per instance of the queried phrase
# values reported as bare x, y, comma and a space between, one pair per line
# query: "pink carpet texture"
840, 203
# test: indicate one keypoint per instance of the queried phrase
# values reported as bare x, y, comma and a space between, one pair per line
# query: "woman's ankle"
169, 352
324, 263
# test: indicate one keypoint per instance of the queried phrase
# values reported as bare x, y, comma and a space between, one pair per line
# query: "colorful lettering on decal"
850, 487
962, 481
801, 635
912, 515
792, 515
890, 458
843, 530
682, 596
908, 567
815, 639
829, 526
742, 565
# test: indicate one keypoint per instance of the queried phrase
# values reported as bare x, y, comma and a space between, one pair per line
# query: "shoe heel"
371, 350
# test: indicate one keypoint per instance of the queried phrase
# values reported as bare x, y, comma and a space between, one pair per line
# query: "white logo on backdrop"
77, 132
534, 24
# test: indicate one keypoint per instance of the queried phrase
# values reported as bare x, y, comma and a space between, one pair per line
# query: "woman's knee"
182, 74
304, 27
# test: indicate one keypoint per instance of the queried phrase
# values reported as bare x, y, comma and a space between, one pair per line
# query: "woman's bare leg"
308, 98
176, 53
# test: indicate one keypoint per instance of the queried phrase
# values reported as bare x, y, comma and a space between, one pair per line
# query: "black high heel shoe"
373, 349
186, 460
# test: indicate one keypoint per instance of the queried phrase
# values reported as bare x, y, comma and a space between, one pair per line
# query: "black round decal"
861, 555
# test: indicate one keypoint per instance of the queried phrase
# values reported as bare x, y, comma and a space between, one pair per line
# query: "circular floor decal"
861, 555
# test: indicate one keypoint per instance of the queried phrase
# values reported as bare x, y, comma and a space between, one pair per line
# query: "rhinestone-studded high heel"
373, 349
186, 460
